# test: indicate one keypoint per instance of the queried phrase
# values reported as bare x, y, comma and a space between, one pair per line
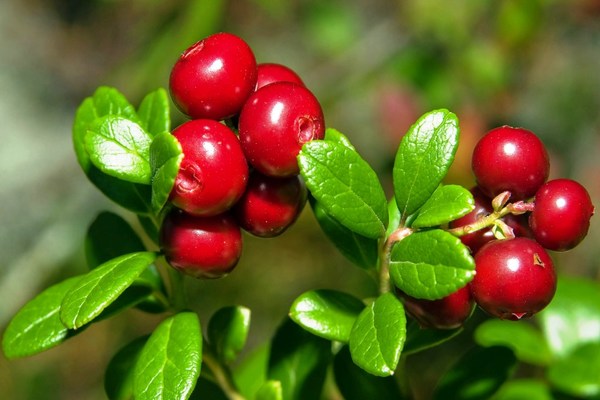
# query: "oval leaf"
165, 158
423, 159
377, 337
154, 112
169, 364
336, 136
446, 204
270, 390
228, 330
578, 373
520, 389
345, 185
118, 379
431, 264
327, 313
250, 374
100, 287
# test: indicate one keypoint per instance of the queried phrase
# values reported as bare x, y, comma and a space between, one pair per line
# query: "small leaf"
578, 373
431, 264
154, 112
446, 204
336, 136
270, 390
423, 159
327, 313
299, 361
251, 373
120, 148
165, 158
377, 337
418, 339
345, 185
118, 379
100, 287
520, 389
394, 217
169, 364
36, 327
228, 330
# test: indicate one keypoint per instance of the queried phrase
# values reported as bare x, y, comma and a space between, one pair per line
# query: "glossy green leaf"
251, 372
578, 373
270, 390
118, 379
228, 330
394, 217
165, 158
521, 389
36, 327
360, 250
431, 264
299, 361
419, 339
378, 336
334, 135
169, 364
100, 287
527, 342
154, 112
356, 384
120, 148
477, 375
446, 204
327, 313
345, 185
423, 159
573, 316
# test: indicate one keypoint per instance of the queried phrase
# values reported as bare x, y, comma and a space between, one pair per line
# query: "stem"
222, 376
177, 295
385, 257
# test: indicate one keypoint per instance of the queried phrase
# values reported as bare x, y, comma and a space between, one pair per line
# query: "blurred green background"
375, 65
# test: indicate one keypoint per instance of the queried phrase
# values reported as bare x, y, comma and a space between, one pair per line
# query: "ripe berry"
213, 173
514, 278
510, 159
561, 217
270, 205
274, 124
214, 77
270, 73
202, 247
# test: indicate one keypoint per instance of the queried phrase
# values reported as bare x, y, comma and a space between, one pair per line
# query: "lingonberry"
275, 122
270, 205
271, 72
214, 77
561, 216
447, 313
202, 247
213, 173
514, 278
510, 159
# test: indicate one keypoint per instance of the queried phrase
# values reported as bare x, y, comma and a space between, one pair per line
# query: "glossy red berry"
514, 278
510, 159
271, 73
213, 173
214, 77
274, 124
202, 247
270, 205
561, 217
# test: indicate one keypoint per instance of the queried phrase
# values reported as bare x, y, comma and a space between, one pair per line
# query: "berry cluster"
239, 168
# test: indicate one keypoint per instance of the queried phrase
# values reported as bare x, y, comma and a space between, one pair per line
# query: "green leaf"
228, 330
377, 337
446, 204
299, 361
270, 390
118, 379
578, 373
169, 364
527, 342
165, 158
345, 185
100, 287
418, 339
431, 264
120, 148
36, 327
477, 375
327, 313
393, 216
423, 159
336, 136
251, 373
520, 389
355, 384
154, 112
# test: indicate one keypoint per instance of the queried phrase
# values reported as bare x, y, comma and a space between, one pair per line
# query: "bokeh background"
375, 65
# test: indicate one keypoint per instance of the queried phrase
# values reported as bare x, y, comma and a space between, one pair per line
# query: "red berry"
514, 278
270, 73
274, 124
510, 159
214, 77
270, 205
561, 217
213, 173
202, 247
